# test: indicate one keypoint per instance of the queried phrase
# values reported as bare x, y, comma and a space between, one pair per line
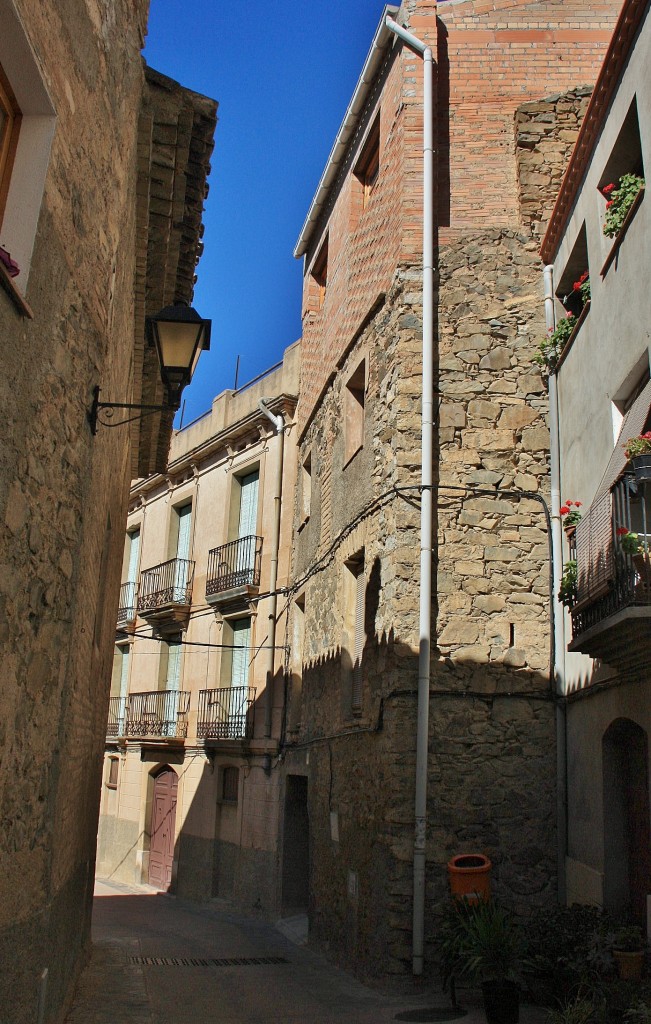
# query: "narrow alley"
160, 960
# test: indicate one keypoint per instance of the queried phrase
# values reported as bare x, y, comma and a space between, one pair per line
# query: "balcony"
165, 594
128, 607
612, 614
159, 714
226, 713
116, 718
234, 573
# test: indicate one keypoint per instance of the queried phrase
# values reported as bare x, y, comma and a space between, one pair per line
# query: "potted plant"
628, 952
620, 198
569, 580
549, 351
629, 542
578, 1011
481, 942
571, 516
638, 452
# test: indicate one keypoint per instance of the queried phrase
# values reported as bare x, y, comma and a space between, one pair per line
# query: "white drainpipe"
279, 424
427, 434
559, 610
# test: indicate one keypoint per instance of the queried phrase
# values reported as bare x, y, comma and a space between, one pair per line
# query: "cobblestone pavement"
158, 960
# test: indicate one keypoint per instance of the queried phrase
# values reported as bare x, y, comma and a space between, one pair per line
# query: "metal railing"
630, 580
116, 717
226, 713
158, 713
167, 583
236, 564
128, 606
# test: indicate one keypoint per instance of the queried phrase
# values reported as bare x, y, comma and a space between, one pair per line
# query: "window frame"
9, 139
367, 168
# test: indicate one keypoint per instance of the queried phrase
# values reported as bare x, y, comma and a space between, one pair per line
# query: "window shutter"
134, 551
241, 652
185, 519
173, 666
248, 504
594, 549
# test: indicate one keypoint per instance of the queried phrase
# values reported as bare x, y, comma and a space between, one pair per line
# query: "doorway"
627, 855
162, 831
296, 847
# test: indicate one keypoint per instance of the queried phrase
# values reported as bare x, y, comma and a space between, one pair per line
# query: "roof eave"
382, 37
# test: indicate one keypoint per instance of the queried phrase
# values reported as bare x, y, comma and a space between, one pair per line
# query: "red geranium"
607, 189
621, 531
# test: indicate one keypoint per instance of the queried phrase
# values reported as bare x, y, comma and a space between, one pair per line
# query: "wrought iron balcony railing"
236, 564
116, 717
226, 713
612, 575
159, 713
169, 583
128, 606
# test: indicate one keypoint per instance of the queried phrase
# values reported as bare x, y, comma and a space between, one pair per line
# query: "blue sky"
283, 75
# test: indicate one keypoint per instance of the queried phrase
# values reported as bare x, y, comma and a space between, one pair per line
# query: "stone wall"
61, 506
492, 760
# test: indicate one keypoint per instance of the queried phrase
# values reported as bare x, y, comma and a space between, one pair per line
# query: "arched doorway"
162, 829
627, 853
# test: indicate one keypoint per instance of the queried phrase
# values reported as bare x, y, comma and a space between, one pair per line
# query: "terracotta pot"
470, 876
629, 965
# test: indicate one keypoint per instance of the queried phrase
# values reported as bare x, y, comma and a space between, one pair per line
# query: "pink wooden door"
163, 818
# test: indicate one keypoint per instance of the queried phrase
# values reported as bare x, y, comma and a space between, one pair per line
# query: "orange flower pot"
470, 877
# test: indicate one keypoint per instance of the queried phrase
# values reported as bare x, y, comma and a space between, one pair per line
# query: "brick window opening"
367, 168
319, 275
10, 118
230, 784
354, 397
113, 769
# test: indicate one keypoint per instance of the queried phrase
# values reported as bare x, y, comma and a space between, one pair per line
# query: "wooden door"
163, 818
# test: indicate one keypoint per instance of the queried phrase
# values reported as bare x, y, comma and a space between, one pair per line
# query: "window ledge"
7, 283
619, 238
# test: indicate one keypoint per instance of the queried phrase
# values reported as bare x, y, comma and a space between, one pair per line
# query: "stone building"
349, 764
89, 214
189, 798
600, 385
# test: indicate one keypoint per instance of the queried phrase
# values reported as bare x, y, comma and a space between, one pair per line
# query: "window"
230, 784
354, 590
306, 488
10, 118
28, 120
354, 412
112, 775
319, 277
236, 653
179, 546
626, 157
571, 290
170, 664
128, 590
631, 388
367, 168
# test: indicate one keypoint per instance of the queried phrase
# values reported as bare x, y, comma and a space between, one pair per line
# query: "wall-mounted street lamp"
179, 336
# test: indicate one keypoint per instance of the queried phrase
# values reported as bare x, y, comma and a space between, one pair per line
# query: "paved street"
293, 986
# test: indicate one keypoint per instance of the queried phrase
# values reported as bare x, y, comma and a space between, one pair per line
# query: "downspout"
279, 424
559, 610
427, 434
